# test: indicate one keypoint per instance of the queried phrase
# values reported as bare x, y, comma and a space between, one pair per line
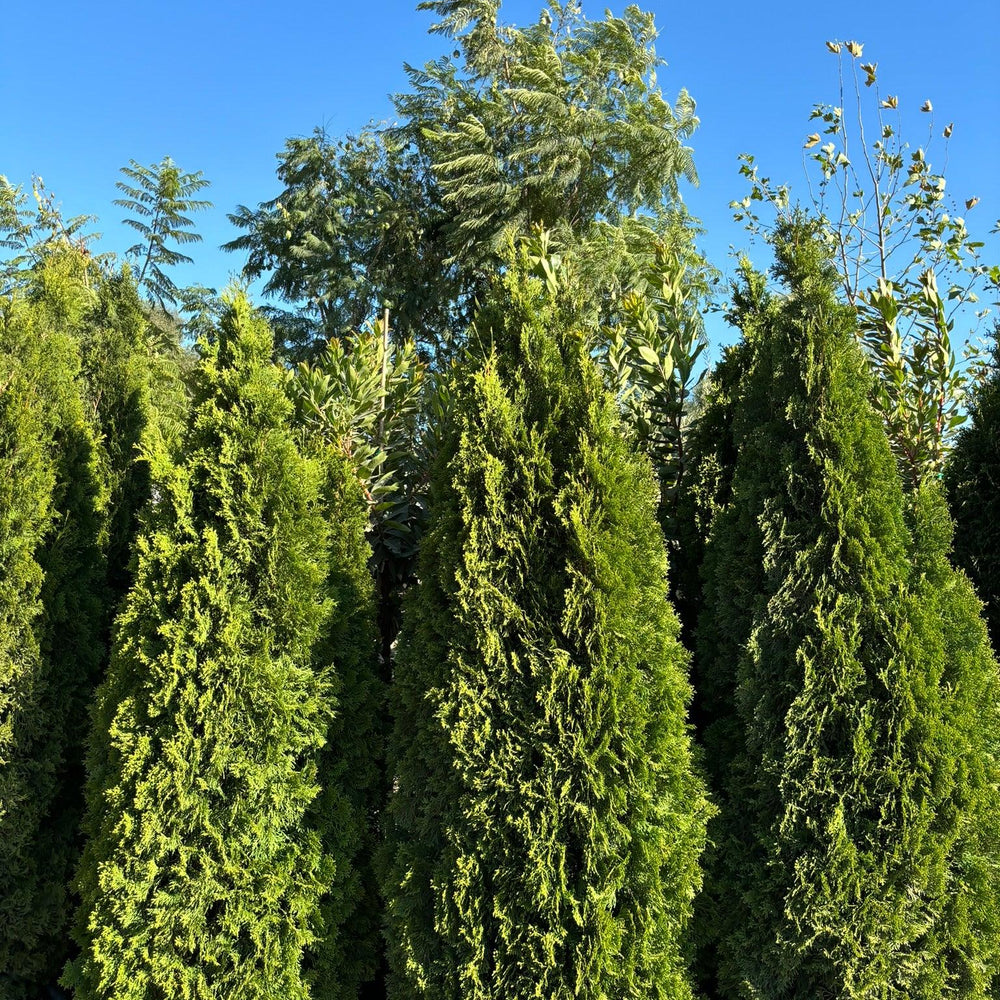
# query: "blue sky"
219, 85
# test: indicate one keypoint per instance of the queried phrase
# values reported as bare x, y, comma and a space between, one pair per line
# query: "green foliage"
117, 368
652, 360
29, 235
843, 657
546, 821
357, 227
26, 483
363, 398
560, 124
966, 938
973, 480
905, 258
159, 197
348, 950
202, 877
53, 647
704, 480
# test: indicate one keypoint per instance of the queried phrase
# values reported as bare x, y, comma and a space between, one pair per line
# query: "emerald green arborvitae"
49, 669
202, 876
973, 479
710, 450
116, 364
547, 821
967, 933
346, 956
855, 778
26, 481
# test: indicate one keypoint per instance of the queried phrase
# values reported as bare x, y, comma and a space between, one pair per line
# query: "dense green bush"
117, 368
852, 845
26, 482
348, 952
547, 821
202, 876
973, 479
54, 653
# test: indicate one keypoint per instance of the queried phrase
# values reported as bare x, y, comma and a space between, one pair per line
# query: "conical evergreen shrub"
967, 933
546, 820
852, 846
346, 957
203, 875
973, 480
50, 677
26, 482
117, 369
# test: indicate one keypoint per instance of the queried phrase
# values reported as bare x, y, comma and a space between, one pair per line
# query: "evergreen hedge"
850, 856
346, 958
26, 483
51, 670
546, 820
203, 876
973, 481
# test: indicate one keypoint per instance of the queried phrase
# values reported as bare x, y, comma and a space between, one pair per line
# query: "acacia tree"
203, 875
546, 819
159, 198
561, 123
843, 656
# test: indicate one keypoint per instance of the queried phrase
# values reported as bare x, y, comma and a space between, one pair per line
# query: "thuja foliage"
118, 368
202, 876
973, 478
26, 482
347, 952
704, 484
55, 660
856, 779
546, 820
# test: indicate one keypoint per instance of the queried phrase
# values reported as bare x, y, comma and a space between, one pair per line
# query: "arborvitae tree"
973, 479
705, 486
967, 935
47, 695
546, 821
347, 955
854, 840
117, 367
202, 876
26, 481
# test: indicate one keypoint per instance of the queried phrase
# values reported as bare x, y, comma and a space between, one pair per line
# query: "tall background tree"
546, 820
159, 198
905, 258
561, 123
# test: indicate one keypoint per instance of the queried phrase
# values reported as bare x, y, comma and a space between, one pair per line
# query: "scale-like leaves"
546, 819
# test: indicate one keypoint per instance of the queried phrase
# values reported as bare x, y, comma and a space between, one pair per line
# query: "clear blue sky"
219, 85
